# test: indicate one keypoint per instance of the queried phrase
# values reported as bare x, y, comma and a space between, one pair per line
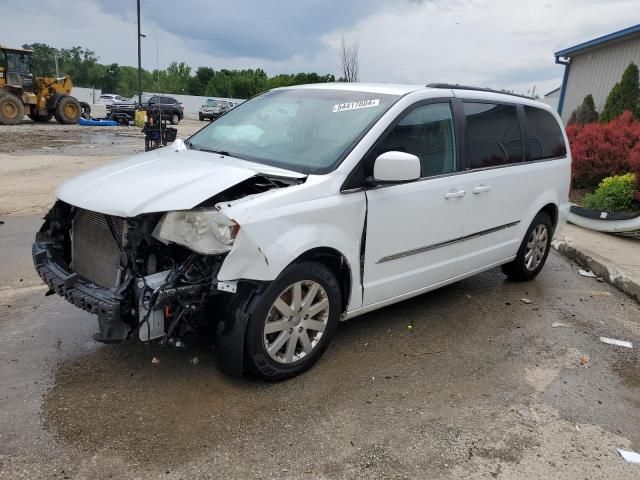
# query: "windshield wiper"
220, 152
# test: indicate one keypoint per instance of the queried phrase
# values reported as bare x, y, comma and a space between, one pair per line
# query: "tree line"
178, 78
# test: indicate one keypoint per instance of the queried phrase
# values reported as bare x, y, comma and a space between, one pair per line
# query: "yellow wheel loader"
38, 97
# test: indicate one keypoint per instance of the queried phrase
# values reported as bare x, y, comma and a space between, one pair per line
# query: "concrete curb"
599, 265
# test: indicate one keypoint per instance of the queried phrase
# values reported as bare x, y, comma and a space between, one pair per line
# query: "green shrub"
613, 194
625, 95
585, 113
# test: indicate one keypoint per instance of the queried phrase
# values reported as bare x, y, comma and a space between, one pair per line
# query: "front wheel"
293, 321
174, 119
68, 111
533, 251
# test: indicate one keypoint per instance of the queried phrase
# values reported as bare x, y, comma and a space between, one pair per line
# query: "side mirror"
396, 167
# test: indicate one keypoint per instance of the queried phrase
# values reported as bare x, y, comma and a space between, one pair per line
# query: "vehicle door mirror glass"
395, 167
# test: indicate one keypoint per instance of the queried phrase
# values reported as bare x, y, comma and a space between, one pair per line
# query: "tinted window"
545, 135
493, 134
426, 132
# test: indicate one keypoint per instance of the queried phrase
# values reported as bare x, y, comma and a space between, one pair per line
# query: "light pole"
140, 36
158, 61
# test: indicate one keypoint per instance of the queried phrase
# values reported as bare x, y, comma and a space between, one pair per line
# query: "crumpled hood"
160, 181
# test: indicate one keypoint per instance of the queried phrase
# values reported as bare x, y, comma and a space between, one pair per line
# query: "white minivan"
305, 206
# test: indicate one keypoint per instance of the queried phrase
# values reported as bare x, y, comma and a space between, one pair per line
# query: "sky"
491, 43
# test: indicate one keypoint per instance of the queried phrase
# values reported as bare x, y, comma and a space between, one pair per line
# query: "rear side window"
426, 132
493, 134
545, 135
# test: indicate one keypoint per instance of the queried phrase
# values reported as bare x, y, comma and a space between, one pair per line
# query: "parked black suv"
170, 108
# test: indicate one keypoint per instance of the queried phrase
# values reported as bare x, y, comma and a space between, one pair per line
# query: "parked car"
170, 108
212, 109
306, 206
109, 98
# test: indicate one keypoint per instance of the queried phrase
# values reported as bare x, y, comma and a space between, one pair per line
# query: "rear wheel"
293, 321
68, 110
533, 251
11, 109
36, 117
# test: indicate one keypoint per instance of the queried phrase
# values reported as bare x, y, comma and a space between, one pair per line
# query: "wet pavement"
468, 381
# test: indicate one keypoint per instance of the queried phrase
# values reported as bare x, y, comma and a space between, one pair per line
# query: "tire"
11, 109
86, 110
174, 119
68, 110
200, 117
36, 117
290, 353
533, 250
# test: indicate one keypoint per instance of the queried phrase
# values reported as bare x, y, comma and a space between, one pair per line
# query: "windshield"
145, 98
19, 62
211, 103
306, 130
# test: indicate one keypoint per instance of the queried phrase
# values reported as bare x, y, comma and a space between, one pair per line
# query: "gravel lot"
36, 158
465, 382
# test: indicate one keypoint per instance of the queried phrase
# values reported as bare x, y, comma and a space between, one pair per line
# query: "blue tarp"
98, 123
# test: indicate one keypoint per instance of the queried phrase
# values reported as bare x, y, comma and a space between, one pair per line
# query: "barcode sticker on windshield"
342, 107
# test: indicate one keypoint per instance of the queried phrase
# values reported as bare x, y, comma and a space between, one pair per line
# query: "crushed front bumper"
108, 304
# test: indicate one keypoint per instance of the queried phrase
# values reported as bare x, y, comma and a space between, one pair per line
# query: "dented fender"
272, 239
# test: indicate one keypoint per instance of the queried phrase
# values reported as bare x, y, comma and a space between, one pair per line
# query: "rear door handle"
481, 189
455, 194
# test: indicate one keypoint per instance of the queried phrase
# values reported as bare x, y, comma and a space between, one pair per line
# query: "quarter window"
428, 133
545, 135
493, 135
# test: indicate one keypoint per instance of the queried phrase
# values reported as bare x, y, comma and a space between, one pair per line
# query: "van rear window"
493, 134
545, 135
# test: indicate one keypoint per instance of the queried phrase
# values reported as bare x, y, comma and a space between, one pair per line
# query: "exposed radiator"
95, 254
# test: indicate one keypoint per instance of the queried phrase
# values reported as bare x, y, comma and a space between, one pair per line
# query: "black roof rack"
456, 86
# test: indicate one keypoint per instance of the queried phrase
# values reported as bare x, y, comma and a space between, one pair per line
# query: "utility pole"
139, 59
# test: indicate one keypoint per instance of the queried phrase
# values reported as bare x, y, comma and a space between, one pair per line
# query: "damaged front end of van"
145, 259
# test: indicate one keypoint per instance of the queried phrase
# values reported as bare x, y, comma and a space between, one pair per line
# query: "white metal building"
594, 67
552, 98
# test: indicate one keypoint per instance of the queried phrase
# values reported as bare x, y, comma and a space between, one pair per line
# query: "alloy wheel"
296, 321
536, 247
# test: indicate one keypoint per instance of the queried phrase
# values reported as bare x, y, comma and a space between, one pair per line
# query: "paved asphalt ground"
483, 385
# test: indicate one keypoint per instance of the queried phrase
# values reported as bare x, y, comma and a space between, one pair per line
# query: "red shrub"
603, 149
634, 166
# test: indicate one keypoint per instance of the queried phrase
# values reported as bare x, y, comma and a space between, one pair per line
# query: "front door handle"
481, 189
455, 194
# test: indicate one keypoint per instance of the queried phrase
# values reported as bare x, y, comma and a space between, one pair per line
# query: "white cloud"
498, 43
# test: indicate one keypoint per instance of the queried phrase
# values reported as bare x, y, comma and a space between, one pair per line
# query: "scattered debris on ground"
558, 325
613, 341
526, 301
587, 273
584, 359
629, 456
155, 361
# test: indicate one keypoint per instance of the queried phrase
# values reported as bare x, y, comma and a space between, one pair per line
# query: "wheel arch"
337, 263
552, 210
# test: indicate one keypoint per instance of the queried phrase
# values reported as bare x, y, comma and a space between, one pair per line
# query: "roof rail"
456, 86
